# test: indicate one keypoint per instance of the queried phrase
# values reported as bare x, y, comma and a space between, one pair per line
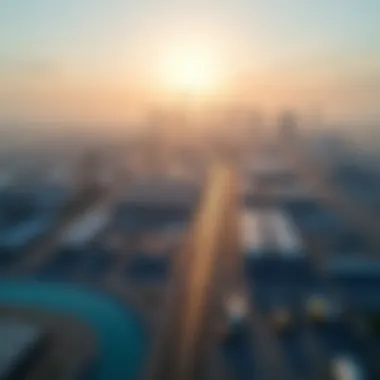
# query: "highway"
209, 267
304, 347
187, 336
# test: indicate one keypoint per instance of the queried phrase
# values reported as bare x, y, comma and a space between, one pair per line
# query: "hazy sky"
84, 60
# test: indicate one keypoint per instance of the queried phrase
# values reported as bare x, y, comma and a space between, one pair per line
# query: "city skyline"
82, 61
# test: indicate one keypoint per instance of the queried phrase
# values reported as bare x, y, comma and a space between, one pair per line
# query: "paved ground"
73, 346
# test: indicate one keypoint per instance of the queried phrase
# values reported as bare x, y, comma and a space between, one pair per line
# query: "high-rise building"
86, 173
288, 127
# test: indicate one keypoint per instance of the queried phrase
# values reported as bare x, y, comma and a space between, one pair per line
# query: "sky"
96, 60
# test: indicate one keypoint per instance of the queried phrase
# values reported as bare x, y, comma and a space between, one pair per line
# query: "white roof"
87, 227
346, 368
265, 230
236, 306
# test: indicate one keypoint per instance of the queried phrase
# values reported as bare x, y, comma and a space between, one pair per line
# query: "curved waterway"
120, 335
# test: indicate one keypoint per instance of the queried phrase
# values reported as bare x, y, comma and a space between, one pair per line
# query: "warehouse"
87, 228
269, 231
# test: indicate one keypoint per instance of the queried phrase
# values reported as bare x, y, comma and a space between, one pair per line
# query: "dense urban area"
91, 230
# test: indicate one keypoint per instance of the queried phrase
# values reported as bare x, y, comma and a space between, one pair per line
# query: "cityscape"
189, 190
92, 246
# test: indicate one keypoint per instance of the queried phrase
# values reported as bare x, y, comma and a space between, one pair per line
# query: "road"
187, 337
209, 268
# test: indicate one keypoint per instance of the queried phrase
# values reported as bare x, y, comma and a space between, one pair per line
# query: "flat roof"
162, 191
353, 265
271, 229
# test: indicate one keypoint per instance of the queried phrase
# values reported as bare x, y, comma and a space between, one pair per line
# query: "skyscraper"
288, 127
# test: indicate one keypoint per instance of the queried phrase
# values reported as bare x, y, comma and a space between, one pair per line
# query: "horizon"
96, 62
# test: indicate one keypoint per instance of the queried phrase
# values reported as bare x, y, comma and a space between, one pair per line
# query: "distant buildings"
130, 244
288, 127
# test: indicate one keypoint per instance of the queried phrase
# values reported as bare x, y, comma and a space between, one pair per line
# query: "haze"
91, 60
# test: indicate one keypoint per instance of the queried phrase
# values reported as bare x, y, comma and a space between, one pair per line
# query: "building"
288, 127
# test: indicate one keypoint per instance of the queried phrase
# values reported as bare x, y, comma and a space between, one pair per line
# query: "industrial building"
287, 297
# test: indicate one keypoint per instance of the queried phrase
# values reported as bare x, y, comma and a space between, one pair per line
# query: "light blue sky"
46, 38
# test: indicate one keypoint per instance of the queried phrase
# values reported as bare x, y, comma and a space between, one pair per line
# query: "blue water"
121, 338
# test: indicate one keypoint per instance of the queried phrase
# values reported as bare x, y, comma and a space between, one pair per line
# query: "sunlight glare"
190, 70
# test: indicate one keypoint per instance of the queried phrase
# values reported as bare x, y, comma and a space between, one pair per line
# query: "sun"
190, 70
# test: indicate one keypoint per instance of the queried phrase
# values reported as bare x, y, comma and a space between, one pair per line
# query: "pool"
121, 338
